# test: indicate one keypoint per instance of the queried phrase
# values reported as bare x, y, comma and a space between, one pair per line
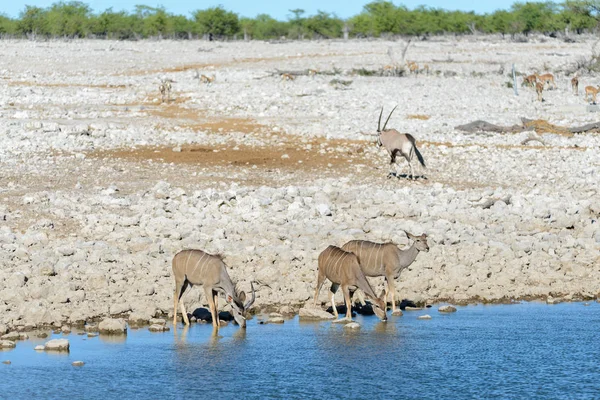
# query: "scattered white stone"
352, 325
426, 316
7, 344
309, 313
112, 326
57, 345
78, 363
447, 309
39, 347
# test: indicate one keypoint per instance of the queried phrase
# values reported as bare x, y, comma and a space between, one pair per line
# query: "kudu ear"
409, 235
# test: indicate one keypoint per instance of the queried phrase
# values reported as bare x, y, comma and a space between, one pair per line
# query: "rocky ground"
101, 183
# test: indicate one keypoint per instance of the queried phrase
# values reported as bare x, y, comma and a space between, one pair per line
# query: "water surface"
527, 350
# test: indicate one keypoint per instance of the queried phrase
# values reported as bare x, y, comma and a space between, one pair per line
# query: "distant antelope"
165, 90
413, 67
396, 142
529, 80
207, 80
312, 72
575, 85
196, 267
386, 259
593, 91
539, 88
390, 70
287, 77
547, 79
343, 269
425, 69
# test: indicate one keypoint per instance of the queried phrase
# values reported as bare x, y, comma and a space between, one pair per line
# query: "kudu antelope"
207, 80
547, 79
593, 91
396, 142
575, 85
196, 267
386, 259
342, 268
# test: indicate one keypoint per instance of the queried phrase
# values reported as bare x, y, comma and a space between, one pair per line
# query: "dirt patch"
418, 116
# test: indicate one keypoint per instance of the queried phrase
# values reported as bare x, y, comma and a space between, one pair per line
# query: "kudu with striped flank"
196, 267
386, 259
342, 268
396, 142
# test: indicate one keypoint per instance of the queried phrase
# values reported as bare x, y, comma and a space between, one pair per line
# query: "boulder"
352, 325
39, 347
310, 313
78, 363
426, 316
447, 309
7, 344
112, 326
57, 345
158, 328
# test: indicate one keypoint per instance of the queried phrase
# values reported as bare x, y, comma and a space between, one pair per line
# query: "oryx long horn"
388, 118
251, 301
379, 122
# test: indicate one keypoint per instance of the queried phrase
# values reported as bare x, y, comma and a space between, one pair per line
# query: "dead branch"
537, 125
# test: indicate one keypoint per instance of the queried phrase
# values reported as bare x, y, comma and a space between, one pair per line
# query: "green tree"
8, 26
68, 18
216, 21
33, 20
324, 25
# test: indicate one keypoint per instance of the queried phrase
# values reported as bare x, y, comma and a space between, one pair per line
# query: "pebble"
426, 316
78, 363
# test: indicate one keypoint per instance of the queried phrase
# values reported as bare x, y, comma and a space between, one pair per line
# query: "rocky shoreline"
101, 184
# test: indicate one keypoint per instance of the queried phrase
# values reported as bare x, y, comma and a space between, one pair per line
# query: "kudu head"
379, 129
379, 308
239, 307
420, 241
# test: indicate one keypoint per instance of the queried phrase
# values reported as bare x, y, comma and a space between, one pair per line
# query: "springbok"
547, 79
575, 84
196, 267
539, 88
396, 142
425, 69
165, 90
529, 80
413, 67
287, 77
386, 259
593, 91
207, 79
343, 269
312, 72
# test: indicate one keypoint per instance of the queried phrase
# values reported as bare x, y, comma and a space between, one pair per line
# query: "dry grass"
66, 85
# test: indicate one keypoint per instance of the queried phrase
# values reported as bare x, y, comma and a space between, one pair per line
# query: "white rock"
314, 314
426, 316
57, 345
112, 326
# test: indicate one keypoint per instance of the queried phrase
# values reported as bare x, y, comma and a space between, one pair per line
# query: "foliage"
379, 17
217, 21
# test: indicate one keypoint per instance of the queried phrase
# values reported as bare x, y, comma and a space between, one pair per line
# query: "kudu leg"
179, 290
320, 280
216, 303
333, 289
211, 306
391, 289
346, 291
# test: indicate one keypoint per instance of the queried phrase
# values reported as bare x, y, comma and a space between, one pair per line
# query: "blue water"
522, 351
